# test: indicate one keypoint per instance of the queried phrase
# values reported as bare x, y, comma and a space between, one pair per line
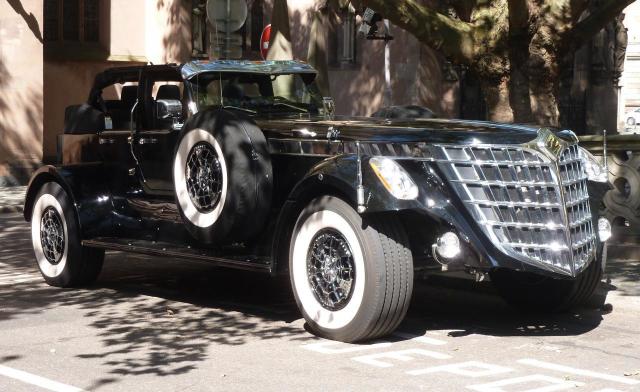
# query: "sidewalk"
12, 198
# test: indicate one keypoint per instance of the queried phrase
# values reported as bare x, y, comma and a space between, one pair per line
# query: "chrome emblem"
549, 143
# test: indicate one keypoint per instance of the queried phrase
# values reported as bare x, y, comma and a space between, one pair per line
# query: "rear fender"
85, 184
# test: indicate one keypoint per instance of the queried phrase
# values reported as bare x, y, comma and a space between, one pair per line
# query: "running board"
164, 249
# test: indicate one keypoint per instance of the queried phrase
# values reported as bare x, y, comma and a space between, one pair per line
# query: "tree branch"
597, 19
453, 38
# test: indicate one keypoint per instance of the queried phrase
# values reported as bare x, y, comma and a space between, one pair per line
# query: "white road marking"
556, 384
37, 380
464, 369
579, 372
400, 355
327, 347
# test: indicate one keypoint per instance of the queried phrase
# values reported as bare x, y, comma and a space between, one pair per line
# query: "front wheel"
631, 121
61, 258
352, 277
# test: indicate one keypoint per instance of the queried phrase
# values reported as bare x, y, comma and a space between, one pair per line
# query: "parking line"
578, 372
37, 380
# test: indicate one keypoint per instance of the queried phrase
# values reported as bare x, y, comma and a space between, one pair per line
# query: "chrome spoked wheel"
331, 269
203, 175
52, 237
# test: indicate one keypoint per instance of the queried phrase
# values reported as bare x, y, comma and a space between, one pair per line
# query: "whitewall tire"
60, 256
193, 212
352, 278
48, 207
308, 230
222, 177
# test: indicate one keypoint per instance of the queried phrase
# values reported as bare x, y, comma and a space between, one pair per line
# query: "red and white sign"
264, 41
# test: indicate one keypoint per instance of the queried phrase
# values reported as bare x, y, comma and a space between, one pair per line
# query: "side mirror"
168, 109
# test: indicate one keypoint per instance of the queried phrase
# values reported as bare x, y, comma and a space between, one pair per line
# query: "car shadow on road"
464, 308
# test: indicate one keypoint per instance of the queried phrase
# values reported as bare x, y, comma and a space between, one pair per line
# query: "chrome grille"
534, 207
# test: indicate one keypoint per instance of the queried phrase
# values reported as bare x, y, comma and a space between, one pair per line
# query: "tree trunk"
497, 96
544, 77
280, 47
318, 48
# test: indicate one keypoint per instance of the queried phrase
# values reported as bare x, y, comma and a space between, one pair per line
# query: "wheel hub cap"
52, 235
330, 269
204, 177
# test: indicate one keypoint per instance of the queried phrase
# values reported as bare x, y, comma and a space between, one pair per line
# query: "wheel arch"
43, 175
318, 182
86, 186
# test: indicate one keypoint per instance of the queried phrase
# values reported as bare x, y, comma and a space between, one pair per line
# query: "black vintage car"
243, 164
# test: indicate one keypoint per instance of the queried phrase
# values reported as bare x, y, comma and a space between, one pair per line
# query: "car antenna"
220, 89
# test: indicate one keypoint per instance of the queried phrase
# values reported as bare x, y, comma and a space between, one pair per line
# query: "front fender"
340, 174
86, 186
436, 208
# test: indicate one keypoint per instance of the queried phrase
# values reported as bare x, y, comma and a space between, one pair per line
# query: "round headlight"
604, 229
448, 245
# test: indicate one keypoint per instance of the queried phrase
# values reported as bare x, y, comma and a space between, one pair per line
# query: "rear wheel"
61, 258
631, 121
537, 293
352, 277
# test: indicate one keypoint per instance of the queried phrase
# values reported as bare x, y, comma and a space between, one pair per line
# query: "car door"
118, 100
155, 139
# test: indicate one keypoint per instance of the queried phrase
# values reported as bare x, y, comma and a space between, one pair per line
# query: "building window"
71, 20
91, 20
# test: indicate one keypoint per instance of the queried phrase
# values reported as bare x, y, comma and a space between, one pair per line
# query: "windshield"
287, 93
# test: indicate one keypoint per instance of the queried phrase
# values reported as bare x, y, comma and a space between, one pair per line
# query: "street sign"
265, 37
227, 15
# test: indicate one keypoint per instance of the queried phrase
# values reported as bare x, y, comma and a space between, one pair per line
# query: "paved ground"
158, 325
12, 198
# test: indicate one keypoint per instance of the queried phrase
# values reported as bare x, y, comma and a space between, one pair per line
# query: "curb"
10, 209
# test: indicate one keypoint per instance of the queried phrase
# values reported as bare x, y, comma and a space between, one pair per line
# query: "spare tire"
222, 177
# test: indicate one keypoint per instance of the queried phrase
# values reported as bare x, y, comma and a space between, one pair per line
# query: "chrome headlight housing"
394, 178
592, 168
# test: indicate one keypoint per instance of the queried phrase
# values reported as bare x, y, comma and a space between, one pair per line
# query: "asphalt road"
153, 324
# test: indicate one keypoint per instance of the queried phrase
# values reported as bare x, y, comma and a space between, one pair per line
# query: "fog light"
448, 246
604, 229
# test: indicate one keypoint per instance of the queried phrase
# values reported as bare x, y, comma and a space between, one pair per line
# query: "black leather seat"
168, 91
120, 110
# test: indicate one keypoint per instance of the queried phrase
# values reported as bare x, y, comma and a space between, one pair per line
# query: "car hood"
403, 130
